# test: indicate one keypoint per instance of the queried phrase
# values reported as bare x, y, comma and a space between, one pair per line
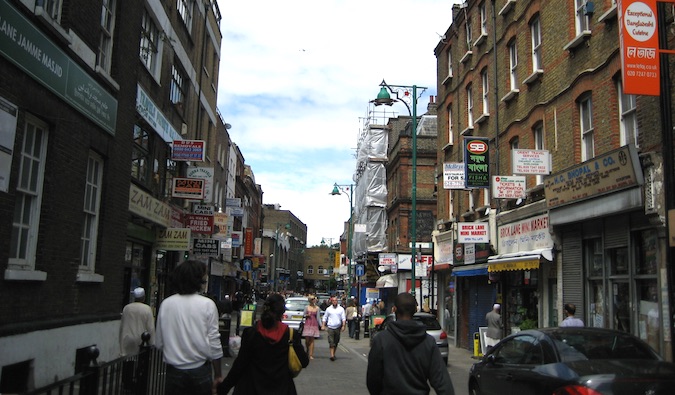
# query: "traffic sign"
360, 271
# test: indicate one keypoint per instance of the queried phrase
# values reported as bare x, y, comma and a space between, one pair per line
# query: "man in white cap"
495, 326
136, 318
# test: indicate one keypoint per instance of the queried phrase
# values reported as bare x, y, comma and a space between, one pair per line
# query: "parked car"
430, 322
566, 361
295, 309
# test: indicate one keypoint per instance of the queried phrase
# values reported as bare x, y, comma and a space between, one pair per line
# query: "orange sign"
639, 47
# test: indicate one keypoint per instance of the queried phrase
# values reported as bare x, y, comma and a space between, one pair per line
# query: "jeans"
351, 324
196, 381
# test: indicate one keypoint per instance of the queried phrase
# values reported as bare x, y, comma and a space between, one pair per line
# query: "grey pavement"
347, 374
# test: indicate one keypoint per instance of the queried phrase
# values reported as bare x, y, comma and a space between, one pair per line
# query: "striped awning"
470, 270
522, 260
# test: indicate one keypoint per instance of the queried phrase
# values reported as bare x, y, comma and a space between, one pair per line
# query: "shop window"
646, 252
618, 261
14, 377
597, 307
649, 319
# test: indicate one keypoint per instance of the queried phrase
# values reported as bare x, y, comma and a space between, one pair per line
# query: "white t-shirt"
333, 317
187, 331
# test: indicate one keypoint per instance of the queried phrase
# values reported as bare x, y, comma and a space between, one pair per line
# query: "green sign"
30, 50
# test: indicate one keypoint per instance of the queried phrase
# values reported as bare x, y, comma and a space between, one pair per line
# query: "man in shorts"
334, 322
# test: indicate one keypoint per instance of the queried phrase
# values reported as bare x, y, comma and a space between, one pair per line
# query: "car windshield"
429, 321
296, 304
574, 346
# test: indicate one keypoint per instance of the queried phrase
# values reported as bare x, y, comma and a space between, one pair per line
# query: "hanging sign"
512, 187
639, 39
453, 175
476, 162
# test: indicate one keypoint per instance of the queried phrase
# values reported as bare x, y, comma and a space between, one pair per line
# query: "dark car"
566, 361
432, 326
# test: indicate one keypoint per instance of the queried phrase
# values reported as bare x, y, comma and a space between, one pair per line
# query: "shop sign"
188, 150
453, 175
611, 172
32, 51
476, 162
237, 237
206, 247
154, 116
248, 241
444, 249
512, 187
8, 113
173, 239
526, 235
639, 41
203, 209
386, 259
188, 188
531, 161
199, 223
473, 232
205, 173
145, 206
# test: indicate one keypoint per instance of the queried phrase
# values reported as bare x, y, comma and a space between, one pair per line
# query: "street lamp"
337, 189
409, 94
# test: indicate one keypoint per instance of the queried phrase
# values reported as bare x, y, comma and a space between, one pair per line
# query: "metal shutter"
572, 270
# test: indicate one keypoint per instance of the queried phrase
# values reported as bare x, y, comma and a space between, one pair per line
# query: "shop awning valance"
522, 260
387, 281
470, 270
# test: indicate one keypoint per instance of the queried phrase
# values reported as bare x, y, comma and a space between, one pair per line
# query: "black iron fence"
141, 374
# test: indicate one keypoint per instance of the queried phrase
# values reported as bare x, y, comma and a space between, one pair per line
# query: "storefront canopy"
521, 260
387, 281
470, 270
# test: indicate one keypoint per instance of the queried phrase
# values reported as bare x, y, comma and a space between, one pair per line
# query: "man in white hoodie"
187, 333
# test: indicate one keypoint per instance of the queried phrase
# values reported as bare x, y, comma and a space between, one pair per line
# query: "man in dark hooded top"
404, 359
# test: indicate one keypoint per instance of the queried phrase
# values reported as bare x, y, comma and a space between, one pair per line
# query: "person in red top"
262, 364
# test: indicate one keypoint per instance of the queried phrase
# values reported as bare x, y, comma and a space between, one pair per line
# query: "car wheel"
473, 389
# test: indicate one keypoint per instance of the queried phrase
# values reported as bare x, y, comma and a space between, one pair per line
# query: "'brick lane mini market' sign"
476, 160
611, 172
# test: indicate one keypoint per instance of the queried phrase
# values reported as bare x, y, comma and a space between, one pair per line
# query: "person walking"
187, 333
570, 319
262, 364
311, 331
334, 322
404, 359
137, 318
494, 326
351, 314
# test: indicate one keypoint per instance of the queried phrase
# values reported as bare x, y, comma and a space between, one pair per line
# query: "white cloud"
295, 81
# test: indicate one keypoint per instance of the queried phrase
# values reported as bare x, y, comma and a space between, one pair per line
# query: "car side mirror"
490, 359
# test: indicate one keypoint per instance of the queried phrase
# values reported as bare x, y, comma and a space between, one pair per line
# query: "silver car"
433, 328
295, 310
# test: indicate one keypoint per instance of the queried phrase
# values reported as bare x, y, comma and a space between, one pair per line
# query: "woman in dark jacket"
261, 366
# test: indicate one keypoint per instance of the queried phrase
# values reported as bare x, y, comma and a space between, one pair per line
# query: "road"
347, 374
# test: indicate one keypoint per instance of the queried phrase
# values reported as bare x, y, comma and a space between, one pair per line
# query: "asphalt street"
347, 374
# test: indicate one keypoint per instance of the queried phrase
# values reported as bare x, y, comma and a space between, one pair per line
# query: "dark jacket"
261, 366
403, 358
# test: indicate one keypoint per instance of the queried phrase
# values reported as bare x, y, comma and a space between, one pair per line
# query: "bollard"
358, 329
476, 345
366, 327
224, 327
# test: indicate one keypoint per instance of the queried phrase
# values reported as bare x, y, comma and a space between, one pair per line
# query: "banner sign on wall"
173, 239
188, 150
531, 161
188, 188
453, 175
512, 187
476, 162
473, 232
639, 39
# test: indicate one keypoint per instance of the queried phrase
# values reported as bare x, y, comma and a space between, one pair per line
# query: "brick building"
543, 78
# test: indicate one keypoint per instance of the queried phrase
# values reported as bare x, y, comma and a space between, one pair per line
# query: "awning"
470, 270
387, 281
521, 260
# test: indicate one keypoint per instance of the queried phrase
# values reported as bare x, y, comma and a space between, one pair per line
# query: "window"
451, 138
513, 63
310, 269
538, 133
469, 36
25, 226
92, 201
185, 12
486, 86
535, 31
178, 82
483, 20
321, 270
449, 62
582, 21
149, 43
469, 107
627, 117
52, 8
107, 29
514, 143
586, 122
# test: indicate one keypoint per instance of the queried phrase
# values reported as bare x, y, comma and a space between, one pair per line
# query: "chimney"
431, 107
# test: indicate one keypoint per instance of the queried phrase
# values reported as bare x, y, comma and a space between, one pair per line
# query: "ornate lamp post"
409, 93
337, 190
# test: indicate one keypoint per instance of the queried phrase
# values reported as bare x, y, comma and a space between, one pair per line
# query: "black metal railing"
141, 374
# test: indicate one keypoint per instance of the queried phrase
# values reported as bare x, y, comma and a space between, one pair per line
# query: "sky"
295, 82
